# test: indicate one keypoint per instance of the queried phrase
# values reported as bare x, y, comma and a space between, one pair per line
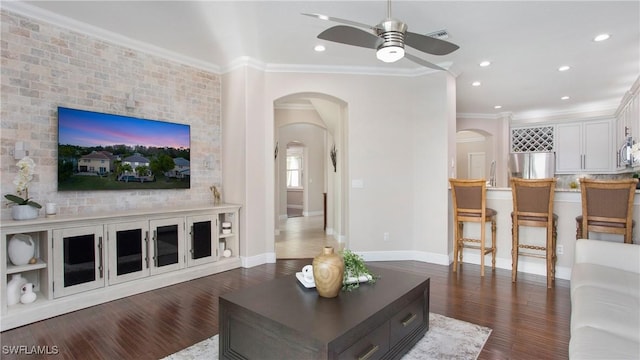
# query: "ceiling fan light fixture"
390, 53
392, 33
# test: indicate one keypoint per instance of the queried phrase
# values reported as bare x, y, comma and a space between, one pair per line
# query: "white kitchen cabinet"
584, 146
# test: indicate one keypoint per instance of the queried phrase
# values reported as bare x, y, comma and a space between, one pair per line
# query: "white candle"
50, 208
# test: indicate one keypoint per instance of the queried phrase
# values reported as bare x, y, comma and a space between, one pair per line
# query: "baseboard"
313, 213
251, 261
403, 255
525, 265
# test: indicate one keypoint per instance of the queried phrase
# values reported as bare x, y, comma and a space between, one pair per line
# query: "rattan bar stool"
533, 206
470, 205
607, 207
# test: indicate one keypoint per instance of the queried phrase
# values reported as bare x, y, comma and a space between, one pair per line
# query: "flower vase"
328, 270
24, 212
27, 295
21, 249
14, 287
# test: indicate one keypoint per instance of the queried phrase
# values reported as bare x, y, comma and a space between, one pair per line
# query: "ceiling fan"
389, 38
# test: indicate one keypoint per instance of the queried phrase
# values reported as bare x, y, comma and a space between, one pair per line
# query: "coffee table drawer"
371, 347
407, 320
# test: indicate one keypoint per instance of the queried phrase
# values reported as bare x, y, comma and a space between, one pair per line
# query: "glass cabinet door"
78, 260
128, 251
167, 247
202, 240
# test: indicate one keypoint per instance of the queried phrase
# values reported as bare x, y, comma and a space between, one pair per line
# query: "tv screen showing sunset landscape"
98, 151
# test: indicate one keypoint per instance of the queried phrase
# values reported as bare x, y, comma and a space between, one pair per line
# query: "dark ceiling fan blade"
338, 20
429, 45
422, 62
350, 36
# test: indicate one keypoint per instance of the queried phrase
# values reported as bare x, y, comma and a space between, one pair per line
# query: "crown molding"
38, 13
31, 11
478, 116
563, 115
347, 70
629, 95
35, 12
242, 62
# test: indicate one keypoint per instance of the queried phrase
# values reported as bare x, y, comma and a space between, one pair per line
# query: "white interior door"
476, 165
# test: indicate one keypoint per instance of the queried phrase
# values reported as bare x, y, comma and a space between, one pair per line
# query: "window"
294, 168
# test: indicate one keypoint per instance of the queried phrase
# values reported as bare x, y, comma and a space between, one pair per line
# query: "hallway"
303, 237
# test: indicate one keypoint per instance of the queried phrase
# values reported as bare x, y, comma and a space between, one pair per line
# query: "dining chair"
607, 207
469, 205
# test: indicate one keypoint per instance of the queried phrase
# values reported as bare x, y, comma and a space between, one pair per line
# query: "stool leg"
514, 249
461, 243
550, 249
483, 231
456, 235
493, 243
555, 245
578, 230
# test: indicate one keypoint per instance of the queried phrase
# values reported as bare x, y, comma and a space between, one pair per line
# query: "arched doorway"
317, 121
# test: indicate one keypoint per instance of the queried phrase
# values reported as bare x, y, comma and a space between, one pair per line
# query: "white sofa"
605, 301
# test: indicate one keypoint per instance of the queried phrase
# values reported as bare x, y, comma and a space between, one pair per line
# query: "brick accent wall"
45, 66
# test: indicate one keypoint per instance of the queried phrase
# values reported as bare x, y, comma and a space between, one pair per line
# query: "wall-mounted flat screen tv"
99, 151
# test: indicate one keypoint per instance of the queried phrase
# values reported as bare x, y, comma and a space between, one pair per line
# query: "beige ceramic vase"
328, 269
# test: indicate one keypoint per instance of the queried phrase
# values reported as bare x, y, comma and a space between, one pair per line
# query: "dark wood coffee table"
281, 319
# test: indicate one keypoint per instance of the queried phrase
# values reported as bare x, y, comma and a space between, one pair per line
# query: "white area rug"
447, 338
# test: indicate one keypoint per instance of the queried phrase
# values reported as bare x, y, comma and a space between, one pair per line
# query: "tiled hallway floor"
302, 237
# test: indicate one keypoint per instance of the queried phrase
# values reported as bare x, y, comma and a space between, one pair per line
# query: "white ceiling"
526, 42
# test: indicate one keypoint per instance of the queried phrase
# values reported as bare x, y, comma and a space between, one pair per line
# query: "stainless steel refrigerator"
536, 165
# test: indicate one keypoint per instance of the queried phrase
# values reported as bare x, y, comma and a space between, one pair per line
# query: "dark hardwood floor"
528, 320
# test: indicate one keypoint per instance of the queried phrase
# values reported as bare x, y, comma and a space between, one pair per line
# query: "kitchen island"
567, 205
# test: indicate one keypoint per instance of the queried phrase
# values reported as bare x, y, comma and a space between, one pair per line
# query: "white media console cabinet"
82, 261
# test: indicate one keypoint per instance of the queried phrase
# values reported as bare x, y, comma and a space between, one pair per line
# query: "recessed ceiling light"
319, 48
475, 83
485, 63
565, 98
498, 107
564, 68
601, 37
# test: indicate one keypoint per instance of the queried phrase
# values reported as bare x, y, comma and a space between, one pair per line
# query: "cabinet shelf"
20, 307
12, 269
223, 236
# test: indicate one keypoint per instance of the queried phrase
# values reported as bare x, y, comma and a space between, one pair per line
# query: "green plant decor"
26, 169
354, 266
